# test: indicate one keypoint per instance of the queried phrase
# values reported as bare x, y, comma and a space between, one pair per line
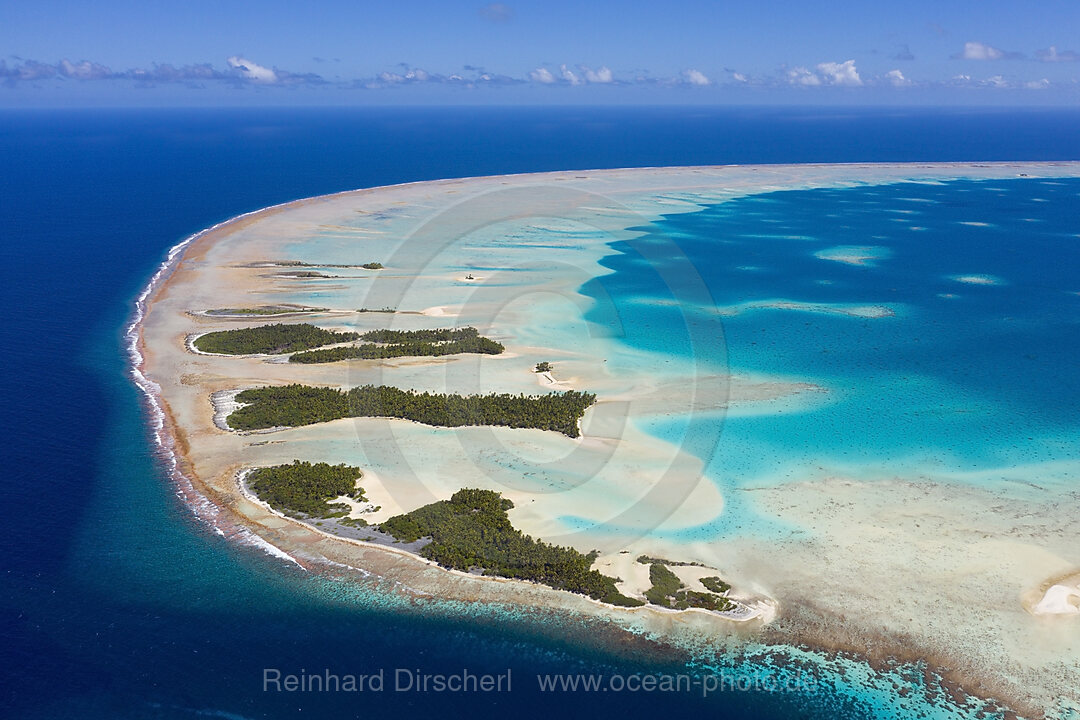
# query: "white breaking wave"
200, 506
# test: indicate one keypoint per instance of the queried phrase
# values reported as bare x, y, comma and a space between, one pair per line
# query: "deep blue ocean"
118, 603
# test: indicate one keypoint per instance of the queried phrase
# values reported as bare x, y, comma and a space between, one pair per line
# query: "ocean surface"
117, 601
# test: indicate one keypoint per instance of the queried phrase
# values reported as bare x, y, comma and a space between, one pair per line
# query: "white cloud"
981, 51
1037, 84
85, 70
978, 51
1052, 54
840, 73
601, 75
696, 77
739, 77
569, 75
252, 71
897, 79
997, 81
802, 76
542, 75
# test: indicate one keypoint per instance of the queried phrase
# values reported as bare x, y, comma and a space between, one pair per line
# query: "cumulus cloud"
981, 51
26, 71
840, 73
696, 77
569, 75
84, 70
802, 76
542, 75
897, 79
238, 72
497, 12
252, 71
600, 75
1052, 54
166, 73
566, 75
997, 82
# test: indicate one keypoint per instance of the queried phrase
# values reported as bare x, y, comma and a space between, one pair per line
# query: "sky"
273, 52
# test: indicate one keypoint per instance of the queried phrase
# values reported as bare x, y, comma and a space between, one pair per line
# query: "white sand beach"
900, 567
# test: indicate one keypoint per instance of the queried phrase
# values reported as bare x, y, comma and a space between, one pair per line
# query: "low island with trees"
668, 591
382, 344
276, 339
264, 311
471, 532
304, 488
296, 405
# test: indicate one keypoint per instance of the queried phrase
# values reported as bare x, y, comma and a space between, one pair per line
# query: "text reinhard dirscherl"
405, 680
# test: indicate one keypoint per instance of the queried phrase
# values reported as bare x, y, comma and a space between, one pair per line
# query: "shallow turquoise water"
972, 368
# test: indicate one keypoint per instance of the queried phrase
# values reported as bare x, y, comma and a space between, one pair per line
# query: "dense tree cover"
303, 487
471, 531
406, 343
295, 405
298, 263
715, 584
706, 601
480, 345
304, 274
664, 584
270, 339
543, 367
668, 591
421, 336
646, 560
271, 310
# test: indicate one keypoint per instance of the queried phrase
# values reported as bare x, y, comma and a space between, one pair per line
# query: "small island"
302, 339
297, 405
303, 488
384, 344
274, 339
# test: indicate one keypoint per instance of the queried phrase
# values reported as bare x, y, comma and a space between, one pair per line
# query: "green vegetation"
295, 405
304, 274
406, 343
471, 531
543, 367
267, 310
298, 263
304, 488
706, 601
646, 560
394, 337
668, 591
269, 339
715, 584
664, 584
383, 310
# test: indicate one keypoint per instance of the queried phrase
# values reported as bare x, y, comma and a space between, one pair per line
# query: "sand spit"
618, 490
